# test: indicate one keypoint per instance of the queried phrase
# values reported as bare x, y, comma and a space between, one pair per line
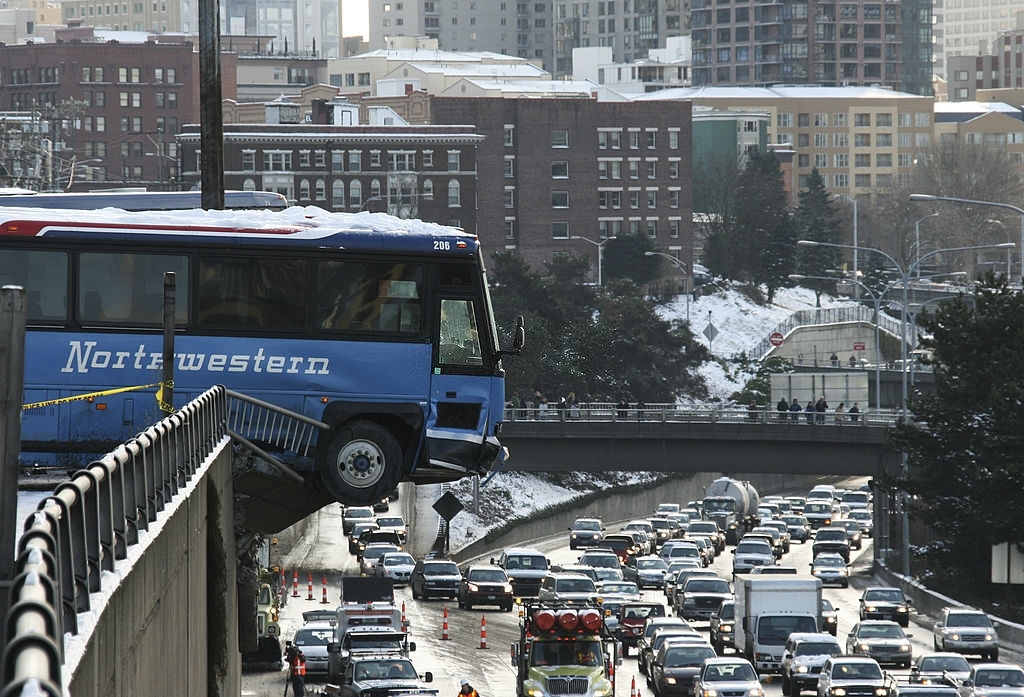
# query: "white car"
372, 554
397, 566
312, 639
393, 522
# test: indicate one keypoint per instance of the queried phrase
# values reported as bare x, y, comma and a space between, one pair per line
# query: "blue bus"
380, 328
138, 200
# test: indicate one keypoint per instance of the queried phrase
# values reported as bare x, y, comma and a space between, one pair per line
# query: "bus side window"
92, 307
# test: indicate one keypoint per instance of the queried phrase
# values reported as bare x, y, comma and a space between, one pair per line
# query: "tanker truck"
733, 505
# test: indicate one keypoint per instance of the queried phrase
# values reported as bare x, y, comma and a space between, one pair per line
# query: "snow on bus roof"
293, 220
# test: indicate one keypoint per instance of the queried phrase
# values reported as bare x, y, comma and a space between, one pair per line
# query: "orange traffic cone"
324, 600
405, 622
632, 688
295, 584
483, 631
444, 625
310, 596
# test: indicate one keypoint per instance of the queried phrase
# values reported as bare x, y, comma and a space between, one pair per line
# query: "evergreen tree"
600, 343
815, 218
965, 444
763, 237
624, 258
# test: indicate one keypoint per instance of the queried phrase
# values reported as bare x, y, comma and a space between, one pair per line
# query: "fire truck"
564, 650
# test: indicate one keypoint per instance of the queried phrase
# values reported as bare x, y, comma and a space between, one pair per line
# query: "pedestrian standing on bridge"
840, 414
854, 413
809, 412
782, 407
752, 411
794, 409
820, 407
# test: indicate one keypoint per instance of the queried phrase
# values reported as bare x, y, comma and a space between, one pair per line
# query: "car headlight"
670, 680
904, 647
709, 692
861, 646
869, 608
507, 587
756, 692
473, 587
902, 608
725, 628
881, 692
838, 692
955, 636
801, 669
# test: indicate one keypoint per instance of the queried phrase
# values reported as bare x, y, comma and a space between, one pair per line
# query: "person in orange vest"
466, 690
297, 670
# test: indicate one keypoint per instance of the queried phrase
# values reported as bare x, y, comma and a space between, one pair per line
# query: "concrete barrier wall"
165, 630
617, 506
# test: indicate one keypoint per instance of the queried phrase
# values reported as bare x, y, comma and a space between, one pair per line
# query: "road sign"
776, 338
710, 332
448, 506
858, 345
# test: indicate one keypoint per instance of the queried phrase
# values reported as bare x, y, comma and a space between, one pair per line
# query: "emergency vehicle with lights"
564, 651
368, 602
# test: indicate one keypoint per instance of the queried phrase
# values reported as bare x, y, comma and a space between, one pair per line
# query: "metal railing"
827, 315
88, 524
611, 412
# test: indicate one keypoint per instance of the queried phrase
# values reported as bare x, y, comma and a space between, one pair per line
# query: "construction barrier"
444, 625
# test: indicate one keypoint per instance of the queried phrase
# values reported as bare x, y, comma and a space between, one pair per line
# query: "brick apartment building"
553, 170
103, 112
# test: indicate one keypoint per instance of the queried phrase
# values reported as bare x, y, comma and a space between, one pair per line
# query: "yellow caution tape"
104, 393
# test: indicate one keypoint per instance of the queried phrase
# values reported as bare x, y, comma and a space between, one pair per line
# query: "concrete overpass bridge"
132, 576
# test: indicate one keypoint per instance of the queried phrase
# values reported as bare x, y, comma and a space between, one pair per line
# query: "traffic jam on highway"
735, 595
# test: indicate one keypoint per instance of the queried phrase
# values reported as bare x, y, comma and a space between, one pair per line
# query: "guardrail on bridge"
611, 412
89, 523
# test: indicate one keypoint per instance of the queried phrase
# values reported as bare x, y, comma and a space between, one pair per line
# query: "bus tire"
363, 463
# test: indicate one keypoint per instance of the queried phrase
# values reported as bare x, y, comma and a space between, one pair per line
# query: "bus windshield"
380, 328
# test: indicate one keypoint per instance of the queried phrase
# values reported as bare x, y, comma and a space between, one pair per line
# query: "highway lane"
485, 660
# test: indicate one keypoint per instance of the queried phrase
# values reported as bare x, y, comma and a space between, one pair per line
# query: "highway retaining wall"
621, 506
165, 629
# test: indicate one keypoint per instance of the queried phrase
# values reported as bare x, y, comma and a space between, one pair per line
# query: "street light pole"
600, 250
905, 273
687, 277
996, 204
856, 244
917, 238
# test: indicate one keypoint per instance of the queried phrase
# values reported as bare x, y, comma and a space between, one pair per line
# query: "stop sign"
776, 338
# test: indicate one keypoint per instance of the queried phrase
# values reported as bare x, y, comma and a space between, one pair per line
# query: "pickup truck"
366, 641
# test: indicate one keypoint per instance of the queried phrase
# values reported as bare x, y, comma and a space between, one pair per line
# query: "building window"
634, 169
338, 194
673, 228
652, 199
454, 161
862, 181
652, 227
510, 135
652, 169
862, 120
248, 160
510, 228
355, 194
634, 199
883, 120
634, 139
510, 167
673, 140
559, 138
673, 169
454, 194
784, 120
304, 190
560, 170
559, 199
862, 160
559, 230
840, 181
820, 159
427, 188
840, 120
510, 197
841, 159
883, 140
305, 158
883, 159
355, 161
652, 139
861, 140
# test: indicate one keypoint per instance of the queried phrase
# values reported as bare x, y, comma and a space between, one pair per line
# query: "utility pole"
12, 367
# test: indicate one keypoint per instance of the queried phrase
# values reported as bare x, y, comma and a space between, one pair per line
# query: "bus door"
460, 394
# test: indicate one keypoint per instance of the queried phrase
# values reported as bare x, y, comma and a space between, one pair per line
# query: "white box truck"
768, 610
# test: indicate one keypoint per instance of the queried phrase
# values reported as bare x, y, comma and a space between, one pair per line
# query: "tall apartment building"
860, 42
562, 175
103, 110
544, 30
311, 27
970, 28
859, 138
1003, 68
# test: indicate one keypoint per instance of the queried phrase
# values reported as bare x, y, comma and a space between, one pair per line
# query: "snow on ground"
741, 324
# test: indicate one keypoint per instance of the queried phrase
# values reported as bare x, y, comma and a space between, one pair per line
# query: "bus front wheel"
363, 464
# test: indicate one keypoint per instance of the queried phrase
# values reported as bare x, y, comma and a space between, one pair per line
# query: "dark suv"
435, 578
884, 603
829, 539
485, 585
721, 633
